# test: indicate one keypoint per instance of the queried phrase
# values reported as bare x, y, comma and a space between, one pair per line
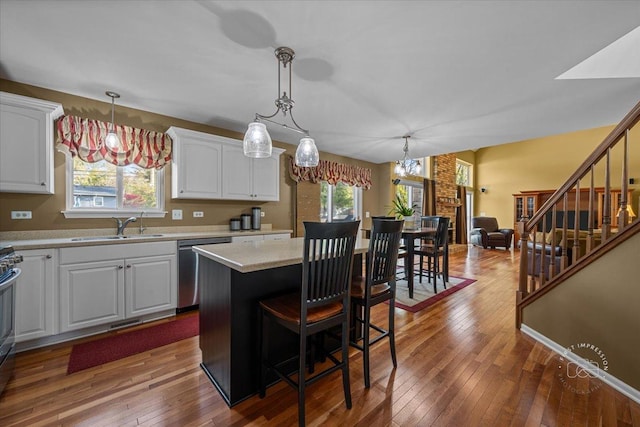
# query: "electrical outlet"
198, 214
20, 214
366, 214
176, 214
262, 214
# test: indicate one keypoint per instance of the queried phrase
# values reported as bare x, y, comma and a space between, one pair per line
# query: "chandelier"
407, 166
257, 141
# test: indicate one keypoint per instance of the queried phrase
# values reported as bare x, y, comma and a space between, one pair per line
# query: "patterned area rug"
423, 295
120, 345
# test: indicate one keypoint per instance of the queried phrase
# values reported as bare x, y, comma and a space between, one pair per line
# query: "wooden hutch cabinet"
526, 203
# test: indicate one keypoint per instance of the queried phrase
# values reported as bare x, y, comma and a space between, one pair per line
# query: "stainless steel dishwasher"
188, 292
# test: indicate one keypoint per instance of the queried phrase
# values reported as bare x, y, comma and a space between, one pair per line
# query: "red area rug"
423, 295
118, 346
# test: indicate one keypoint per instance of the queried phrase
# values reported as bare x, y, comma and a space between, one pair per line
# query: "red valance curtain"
331, 172
85, 138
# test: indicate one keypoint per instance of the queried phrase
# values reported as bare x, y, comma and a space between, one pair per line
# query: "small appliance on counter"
256, 213
245, 221
234, 224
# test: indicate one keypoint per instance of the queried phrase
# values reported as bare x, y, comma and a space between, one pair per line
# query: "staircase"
564, 235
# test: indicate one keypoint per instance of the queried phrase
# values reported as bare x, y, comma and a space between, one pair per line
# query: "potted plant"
401, 210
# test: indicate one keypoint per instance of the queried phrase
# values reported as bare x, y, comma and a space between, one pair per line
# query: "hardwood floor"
461, 362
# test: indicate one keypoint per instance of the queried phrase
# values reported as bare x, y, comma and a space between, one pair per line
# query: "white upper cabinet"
27, 144
206, 166
245, 178
196, 165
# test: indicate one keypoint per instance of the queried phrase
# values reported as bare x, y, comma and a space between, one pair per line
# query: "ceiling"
455, 75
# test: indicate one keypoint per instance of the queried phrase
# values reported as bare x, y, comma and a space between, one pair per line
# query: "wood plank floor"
461, 362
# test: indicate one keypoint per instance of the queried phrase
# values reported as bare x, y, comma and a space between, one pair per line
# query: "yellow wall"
543, 164
47, 208
599, 306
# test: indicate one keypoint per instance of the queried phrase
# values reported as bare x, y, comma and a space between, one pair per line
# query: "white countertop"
262, 255
64, 238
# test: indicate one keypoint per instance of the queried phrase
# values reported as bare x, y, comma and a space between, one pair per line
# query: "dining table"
409, 235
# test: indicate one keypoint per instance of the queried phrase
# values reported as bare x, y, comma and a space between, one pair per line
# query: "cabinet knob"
120, 267
42, 184
128, 265
49, 257
182, 191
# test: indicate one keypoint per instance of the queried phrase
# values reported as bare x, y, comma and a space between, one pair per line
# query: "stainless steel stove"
9, 274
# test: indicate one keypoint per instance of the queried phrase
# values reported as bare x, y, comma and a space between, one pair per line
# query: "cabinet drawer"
110, 252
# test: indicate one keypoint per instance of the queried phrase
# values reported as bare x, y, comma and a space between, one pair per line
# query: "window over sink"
102, 189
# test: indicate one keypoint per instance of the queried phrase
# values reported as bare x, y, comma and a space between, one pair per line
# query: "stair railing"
561, 235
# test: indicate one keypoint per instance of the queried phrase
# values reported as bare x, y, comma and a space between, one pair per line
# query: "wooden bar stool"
378, 286
322, 303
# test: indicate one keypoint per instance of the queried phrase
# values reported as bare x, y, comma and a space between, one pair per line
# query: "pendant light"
407, 166
112, 141
257, 141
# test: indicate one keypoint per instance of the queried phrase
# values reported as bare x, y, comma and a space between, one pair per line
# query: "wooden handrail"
601, 150
534, 251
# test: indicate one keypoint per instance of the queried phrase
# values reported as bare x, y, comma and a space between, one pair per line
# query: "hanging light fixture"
257, 141
112, 141
407, 166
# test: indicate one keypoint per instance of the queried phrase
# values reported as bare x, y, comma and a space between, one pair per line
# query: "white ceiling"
455, 75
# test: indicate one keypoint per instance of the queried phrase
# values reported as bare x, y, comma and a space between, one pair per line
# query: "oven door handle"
10, 281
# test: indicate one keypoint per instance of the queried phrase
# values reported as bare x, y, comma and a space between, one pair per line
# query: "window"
340, 202
411, 191
102, 189
464, 173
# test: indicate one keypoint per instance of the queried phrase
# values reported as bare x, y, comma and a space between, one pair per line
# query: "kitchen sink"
135, 236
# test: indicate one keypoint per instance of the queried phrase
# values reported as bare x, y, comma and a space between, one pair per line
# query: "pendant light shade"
257, 141
307, 153
112, 141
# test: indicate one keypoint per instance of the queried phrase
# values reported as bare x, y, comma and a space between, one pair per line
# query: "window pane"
343, 208
94, 181
324, 201
139, 187
102, 185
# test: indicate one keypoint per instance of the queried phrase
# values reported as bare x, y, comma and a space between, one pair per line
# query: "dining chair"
378, 286
402, 251
432, 247
321, 303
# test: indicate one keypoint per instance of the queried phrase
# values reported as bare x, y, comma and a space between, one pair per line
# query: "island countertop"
247, 257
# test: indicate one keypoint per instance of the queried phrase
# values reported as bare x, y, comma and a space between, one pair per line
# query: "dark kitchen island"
232, 278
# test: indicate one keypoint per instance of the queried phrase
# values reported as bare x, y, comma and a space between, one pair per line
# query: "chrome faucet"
141, 227
122, 225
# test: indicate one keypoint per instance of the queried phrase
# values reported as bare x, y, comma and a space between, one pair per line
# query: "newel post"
521, 293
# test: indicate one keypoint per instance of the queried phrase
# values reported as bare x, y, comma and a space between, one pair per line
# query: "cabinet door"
26, 143
196, 167
237, 174
25, 160
266, 179
151, 285
91, 294
35, 295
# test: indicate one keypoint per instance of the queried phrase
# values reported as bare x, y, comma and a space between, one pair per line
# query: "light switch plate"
176, 214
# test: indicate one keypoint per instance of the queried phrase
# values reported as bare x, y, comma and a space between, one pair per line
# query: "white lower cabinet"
35, 295
149, 285
96, 289
91, 293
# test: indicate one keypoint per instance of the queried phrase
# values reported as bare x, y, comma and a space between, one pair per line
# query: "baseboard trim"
608, 379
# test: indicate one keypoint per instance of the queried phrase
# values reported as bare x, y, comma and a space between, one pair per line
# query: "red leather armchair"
485, 232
